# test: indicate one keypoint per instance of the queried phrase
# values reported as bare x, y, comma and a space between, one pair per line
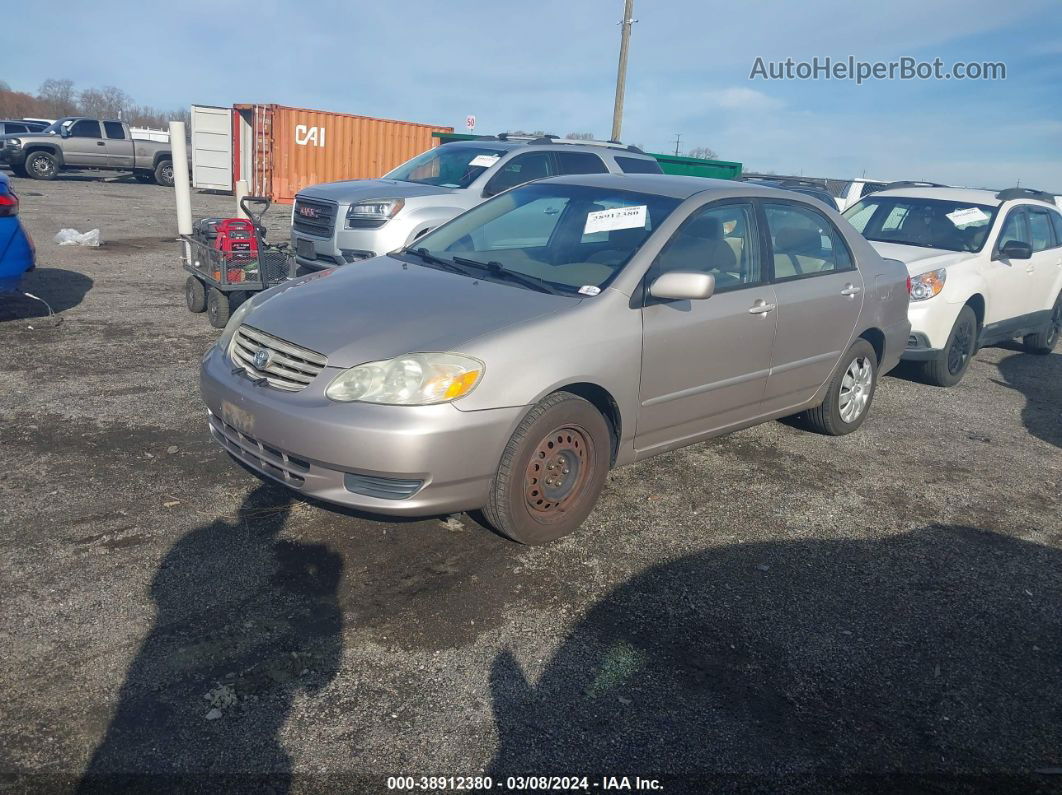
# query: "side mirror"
64, 132
683, 286
1015, 249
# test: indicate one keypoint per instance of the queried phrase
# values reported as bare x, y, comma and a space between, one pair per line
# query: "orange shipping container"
281, 150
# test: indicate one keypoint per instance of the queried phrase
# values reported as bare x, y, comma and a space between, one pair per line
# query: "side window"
527, 226
521, 169
1040, 230
638, 165
16, 128
717, 239
1056, 220
85, 128
114, 130
1014, 228
579, 163
805, 243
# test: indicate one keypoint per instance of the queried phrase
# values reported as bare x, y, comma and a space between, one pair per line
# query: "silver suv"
337, 223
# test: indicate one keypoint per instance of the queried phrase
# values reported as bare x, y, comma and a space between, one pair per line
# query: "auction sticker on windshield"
967, 215
484, 160
616, 218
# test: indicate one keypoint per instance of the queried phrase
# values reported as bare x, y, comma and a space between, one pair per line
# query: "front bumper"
347, 246
353, 453
931, 324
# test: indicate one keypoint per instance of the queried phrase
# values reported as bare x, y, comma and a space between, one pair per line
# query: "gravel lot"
772, 609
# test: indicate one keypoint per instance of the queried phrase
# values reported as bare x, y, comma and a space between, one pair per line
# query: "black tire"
41, 165
195, 295
949, 368
164, 173
850, 394
238, 297
552, 471
217, 308
1043, 342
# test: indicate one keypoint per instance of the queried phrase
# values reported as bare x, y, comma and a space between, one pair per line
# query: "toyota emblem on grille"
261, 359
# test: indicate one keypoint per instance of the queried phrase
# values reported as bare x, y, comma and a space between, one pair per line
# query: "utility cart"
228, 260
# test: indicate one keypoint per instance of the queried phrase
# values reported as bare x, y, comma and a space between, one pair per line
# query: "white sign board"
470, 123
616, 218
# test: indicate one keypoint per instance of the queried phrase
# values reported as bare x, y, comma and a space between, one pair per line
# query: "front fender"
50, 148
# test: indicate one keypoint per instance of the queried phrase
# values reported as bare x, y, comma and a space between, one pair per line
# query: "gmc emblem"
307, 212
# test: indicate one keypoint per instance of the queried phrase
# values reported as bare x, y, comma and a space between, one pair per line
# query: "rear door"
86, 146
820, 295
119, 145
1046, 259
705, 363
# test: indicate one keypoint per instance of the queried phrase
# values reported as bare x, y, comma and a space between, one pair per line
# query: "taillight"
8, 204
908, 285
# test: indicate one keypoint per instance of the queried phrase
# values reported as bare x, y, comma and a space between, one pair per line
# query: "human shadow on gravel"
924, 661
1039, 379
62, 289
244, 622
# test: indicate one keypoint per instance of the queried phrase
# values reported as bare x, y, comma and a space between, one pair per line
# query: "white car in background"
985, 267
845, 194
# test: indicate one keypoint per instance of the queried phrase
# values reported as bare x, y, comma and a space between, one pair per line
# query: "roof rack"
787, 178
910, 183
1025, 193
541, 140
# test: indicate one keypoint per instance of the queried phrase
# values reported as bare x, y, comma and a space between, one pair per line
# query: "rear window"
15, 128
638, 165
114, 129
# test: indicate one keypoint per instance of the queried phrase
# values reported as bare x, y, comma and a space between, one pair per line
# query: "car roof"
964, 195
677, 187
559, 145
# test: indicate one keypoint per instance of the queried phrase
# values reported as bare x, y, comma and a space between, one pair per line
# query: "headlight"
14, 143
235, 319
373, 213
416, 379
928, 284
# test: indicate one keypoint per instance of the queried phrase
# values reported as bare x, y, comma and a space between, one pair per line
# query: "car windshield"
568, 239
448, 166
929, 223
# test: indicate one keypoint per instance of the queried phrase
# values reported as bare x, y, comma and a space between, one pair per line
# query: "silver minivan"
507, 360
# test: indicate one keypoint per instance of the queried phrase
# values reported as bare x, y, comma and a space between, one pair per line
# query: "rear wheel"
164, 173
850, 394
552, 471
41, 165
195, 294
217, 308
1044, 342
949, 368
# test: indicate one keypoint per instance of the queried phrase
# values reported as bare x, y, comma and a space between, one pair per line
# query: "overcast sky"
551, 66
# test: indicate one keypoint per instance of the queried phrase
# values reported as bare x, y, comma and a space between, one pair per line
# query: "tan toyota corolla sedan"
508, 359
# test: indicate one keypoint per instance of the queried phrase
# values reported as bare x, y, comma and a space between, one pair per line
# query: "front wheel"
41, 165
949, 368
164, 173
195, 295
1043, 342
552, 471
850, 394
217, 308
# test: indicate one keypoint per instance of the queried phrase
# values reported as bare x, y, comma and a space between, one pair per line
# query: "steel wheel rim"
856, 386
961, 349
167, 172
559, 468
41, 166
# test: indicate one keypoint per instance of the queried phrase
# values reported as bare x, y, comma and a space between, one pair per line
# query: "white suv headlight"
416, 379
927, 285
373, 213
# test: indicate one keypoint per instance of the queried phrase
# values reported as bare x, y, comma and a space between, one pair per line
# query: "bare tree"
702, 152
17, 105
580, 136
58, 97
104, 103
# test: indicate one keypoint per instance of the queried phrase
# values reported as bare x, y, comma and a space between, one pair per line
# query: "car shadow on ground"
61, 289
244, 622
923, 660
1039, 379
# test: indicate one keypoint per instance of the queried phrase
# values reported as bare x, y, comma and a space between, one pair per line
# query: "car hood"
353, 190
918, 259
383, 307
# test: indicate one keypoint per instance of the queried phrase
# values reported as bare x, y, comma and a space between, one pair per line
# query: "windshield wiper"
431, 259
495, 269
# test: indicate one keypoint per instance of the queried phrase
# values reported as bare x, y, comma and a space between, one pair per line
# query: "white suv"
985, 267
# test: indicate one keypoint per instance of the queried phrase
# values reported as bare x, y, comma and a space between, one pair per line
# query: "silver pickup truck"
79, 143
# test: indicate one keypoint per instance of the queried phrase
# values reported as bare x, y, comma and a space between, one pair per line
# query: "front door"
705, 362
1010, 281
820, 295
85, 146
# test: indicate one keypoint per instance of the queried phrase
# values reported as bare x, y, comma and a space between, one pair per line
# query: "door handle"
851, 290
761, 308
100, 143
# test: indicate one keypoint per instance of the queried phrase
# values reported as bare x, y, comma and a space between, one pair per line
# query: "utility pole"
678, 137
621, 74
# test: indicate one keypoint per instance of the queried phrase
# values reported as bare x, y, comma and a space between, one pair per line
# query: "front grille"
261, 456
314, 217
382, 488
289, 367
